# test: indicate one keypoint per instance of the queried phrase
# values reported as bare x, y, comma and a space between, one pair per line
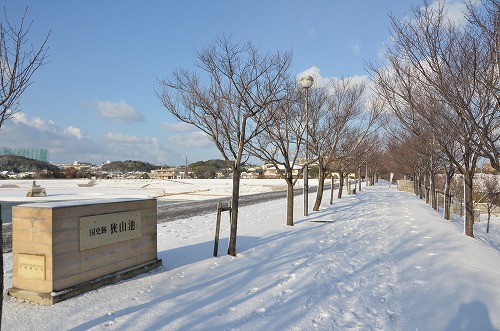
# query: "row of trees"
441, 84
437, 93
249, 104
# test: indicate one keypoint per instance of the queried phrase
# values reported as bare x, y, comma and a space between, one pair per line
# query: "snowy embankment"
377, 260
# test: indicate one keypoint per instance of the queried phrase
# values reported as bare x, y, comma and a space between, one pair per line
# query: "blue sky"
94, 101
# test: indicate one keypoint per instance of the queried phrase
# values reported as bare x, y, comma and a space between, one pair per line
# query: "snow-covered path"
377, 260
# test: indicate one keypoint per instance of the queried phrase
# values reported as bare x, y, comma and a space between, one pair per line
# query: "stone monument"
62, 249
36, 191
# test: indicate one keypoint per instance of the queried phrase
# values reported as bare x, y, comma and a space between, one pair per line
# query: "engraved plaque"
31, 266
107, 229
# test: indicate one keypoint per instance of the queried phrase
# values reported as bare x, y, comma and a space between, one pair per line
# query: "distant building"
270, 171
30, 153
169, 173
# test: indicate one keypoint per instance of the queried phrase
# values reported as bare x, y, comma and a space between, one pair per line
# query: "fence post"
217, 228
220, 209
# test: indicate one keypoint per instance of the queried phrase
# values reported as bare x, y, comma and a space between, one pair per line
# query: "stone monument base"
36, 191
55, 297
62, 249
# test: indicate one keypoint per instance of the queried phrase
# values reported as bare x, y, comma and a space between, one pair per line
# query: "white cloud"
455, 10
34, 122
121, 138
356, 48
196, 139
66, 145
121, 111
130, 139
186, 135
310, 31
178, 127
74, 132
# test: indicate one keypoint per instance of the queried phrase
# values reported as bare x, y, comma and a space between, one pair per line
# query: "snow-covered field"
184, 189
377, 260
13, 192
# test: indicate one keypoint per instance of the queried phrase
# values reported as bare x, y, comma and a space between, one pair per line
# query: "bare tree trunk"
366, 176
415, 185
341, 184
447, 195
359, 179
331, 190
488, 223
447, 201
427, 189
433, 194
289, 201
321, 186
469, 205
231, 250
421, 187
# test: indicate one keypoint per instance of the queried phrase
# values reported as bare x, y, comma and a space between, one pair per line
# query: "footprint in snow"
418, 282
252, 290
109, 323
260, 310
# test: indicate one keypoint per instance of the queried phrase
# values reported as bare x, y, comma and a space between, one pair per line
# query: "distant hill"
208, 169
128, 166
18, 164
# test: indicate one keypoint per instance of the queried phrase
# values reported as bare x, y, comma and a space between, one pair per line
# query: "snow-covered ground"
377, 260
184, 189
13, 192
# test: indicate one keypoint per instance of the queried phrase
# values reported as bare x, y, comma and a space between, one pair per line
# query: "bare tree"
335, 108
356, 141
281, 141
230, 97
490, 196
18, 62
485, 21
352, 150
449, 172
434, 87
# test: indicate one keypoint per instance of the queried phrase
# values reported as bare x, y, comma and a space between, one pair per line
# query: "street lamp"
306, 82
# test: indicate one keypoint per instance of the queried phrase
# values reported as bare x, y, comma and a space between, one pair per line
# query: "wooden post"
220, 209
217, 228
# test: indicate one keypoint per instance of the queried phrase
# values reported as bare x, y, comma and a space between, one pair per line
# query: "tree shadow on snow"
471, 316
185, 255
181, 256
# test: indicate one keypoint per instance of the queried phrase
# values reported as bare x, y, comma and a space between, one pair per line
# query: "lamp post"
306, 82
